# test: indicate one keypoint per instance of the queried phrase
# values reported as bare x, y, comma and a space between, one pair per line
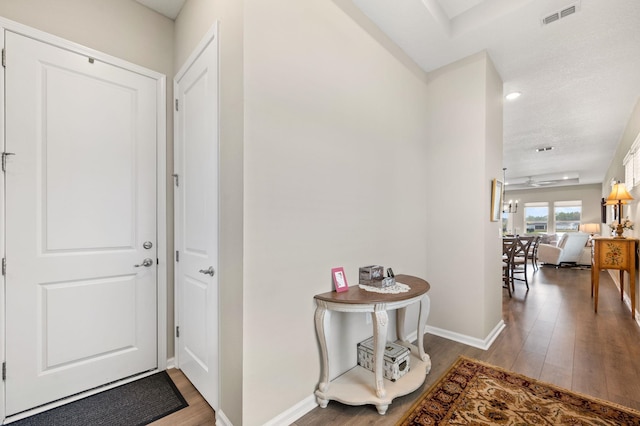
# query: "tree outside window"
567, 216
536, 216
505, 223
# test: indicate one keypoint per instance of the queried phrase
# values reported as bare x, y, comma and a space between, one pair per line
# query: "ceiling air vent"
551, 18
562, 13
568, 11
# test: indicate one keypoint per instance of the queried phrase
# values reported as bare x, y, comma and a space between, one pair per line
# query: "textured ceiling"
579, 76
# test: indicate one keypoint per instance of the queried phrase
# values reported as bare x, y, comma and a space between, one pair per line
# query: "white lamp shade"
590, 228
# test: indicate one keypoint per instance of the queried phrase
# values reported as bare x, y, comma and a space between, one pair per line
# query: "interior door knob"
209, 271
147, 262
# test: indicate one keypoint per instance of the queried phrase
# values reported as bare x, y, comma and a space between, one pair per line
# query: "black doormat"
136, 403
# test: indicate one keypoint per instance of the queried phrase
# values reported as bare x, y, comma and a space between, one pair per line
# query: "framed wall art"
496, 200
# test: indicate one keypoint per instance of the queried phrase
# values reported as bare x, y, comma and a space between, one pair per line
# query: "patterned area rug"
474, 393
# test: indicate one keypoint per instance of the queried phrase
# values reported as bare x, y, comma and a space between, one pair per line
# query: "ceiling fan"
536, 183
543, 180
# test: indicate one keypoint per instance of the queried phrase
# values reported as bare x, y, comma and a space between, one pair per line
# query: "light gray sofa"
570, 249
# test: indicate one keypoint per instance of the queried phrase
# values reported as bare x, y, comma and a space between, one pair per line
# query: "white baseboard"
468, 340
222, 420
171, 363
303, 407
461, 338
293, 413
627, 300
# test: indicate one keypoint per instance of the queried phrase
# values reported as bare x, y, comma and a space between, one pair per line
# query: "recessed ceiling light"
513, 95
565, 177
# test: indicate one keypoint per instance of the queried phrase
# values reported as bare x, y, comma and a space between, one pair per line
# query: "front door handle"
209, 271
147, 262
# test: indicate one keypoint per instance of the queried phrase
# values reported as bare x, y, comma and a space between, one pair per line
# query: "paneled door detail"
196, 211
80, 203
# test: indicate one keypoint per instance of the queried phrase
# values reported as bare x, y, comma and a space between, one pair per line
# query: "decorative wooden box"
371, 275
396, 359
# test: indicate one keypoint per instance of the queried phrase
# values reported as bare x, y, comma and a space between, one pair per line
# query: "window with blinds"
631, 164
629, 169
636, 164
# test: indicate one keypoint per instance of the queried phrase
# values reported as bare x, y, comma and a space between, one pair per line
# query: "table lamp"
619, 195
590, 228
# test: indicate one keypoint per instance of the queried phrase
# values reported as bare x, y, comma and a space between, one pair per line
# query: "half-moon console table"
359, 386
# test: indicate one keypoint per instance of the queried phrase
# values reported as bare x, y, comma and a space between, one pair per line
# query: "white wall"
616, 172
122, 28
616, 168
195, 19
590, 195
327, 159
492, 314
464, 156
335, 149
337, 154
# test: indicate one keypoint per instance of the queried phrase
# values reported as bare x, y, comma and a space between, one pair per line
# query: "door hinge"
177, 256
178, 331
4, 266
176, 178
4, 371
177, 107
4, 58
4, 160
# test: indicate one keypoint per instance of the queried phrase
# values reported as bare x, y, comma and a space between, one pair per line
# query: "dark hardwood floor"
552, 335
198, 413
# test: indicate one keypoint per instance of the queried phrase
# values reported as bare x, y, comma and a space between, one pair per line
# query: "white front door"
196, 200
80, 204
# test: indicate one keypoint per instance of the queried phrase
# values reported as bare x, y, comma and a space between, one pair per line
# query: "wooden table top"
357, 296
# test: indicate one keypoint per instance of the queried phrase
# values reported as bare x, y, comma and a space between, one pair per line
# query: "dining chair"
520, 259
533, 252
509, 245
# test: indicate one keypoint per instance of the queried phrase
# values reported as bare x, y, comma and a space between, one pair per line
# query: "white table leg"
381, 323
323, 385
382, 409
401, 315
425, 304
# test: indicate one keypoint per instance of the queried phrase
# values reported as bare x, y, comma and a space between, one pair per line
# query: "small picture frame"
496, 200
339, 279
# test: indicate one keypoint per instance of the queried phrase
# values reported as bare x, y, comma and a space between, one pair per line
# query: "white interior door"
196, 198
80, 204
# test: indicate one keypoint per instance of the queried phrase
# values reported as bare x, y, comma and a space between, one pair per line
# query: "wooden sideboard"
614, 253
359, 386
